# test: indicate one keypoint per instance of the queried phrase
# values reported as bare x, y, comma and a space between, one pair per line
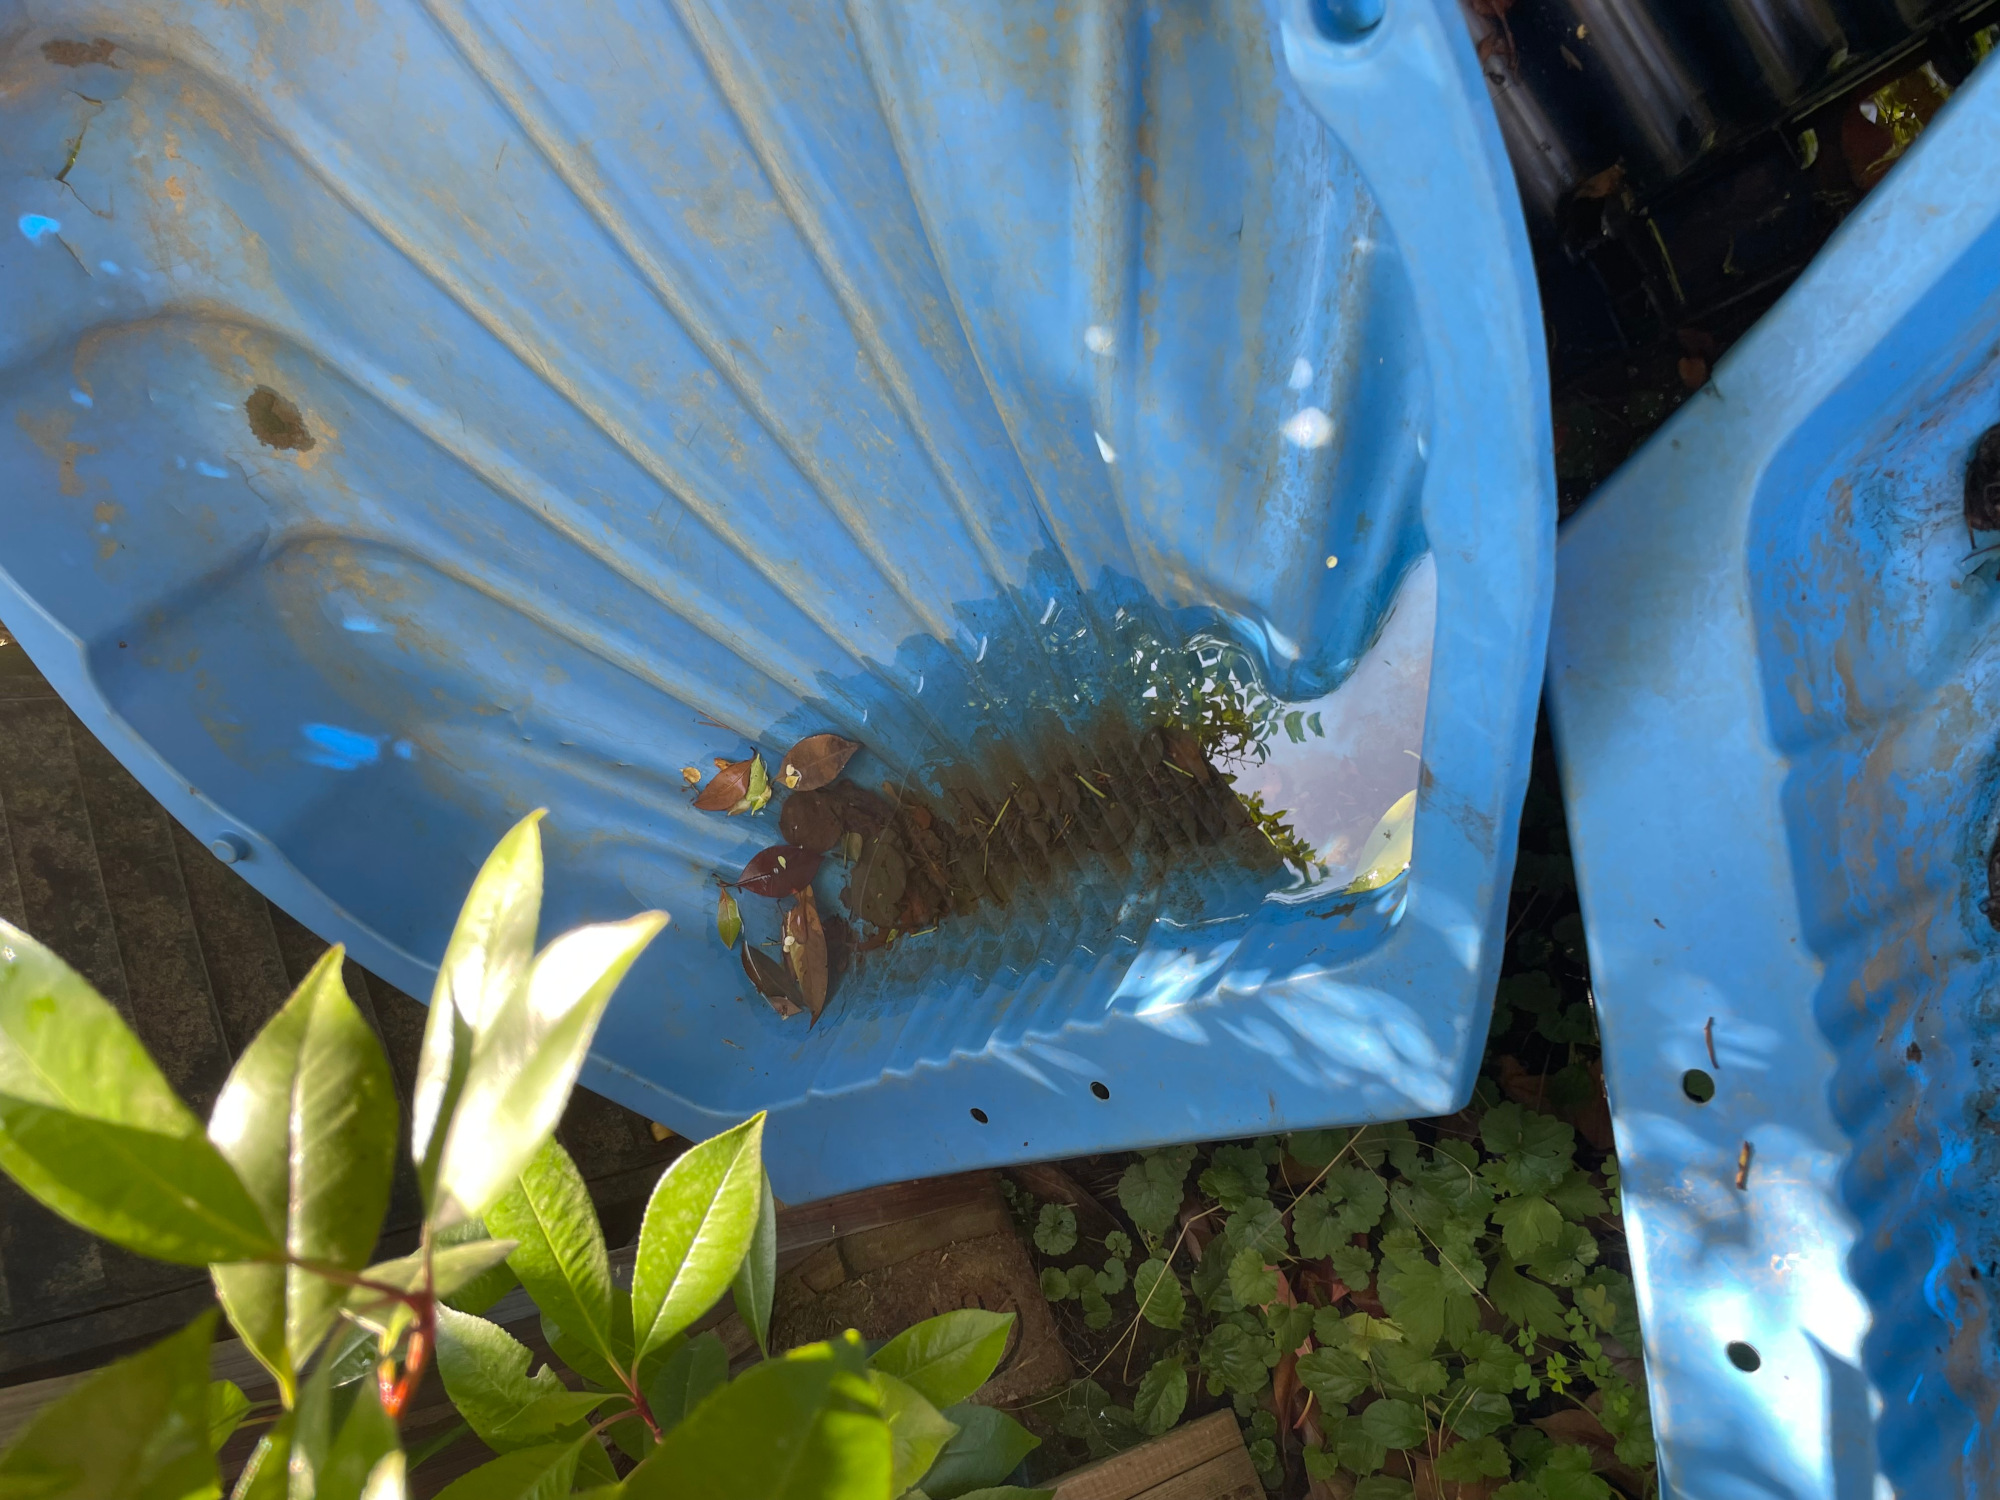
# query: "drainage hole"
1698, 1086
979, 1115
1100, 1090
1744, 1357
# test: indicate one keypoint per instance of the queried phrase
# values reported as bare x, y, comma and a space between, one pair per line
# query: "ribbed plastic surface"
1773, 675
421, 412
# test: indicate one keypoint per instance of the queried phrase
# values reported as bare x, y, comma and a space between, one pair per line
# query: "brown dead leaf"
729, 786
805, 952
1602, 184
1693, 371
812, 820
773, 981
781, 870
815, 760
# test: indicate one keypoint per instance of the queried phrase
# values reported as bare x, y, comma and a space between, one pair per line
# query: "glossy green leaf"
308, 1120
700, 1365
988, 1446
90, 1127
757, 1278
525, 1059
485, 1371
136, 1430
1158, 1292
594, 1469
946, 1358
227, 1406
540, 1473
805, 1427
452, 1268
918, 1431
699, 1223
476, 1293
388, 1480
340, 1434
485, 963
560, 1256
1161, 1396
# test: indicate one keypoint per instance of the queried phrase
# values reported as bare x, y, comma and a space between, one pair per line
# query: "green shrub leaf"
227, 1406
699, 1224
525, 1058
540, 1473
137, 1430
559, 1255
1473, 1413
988, 1446
945, 1359
485, 961
918, 1431
805, 1427
308, 1120
1527, 1224
757, 1278
485, 1370
700, 1365
91, 1129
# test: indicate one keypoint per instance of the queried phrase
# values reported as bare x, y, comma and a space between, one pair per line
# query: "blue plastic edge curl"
1723, 616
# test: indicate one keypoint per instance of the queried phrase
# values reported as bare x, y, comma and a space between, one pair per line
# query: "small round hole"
979, 1115
1744, 1357
1697, 1085
1100, 1090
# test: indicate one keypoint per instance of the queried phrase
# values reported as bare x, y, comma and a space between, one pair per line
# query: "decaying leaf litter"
909, 863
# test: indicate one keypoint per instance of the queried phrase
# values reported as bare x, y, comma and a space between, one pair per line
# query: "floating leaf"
773, 981
805, 951
812, 820
727, 788
728, 920
816, 760
758, 795
781, 870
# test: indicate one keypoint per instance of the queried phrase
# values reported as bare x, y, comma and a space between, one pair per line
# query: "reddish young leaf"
773, 981
805, 951
781, 870
816, 760
727, 787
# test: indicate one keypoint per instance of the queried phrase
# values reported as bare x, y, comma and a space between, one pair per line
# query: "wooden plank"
165, 976
1143, 1470
1230, 1477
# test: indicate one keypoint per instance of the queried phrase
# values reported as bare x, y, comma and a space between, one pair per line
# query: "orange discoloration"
51, 435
